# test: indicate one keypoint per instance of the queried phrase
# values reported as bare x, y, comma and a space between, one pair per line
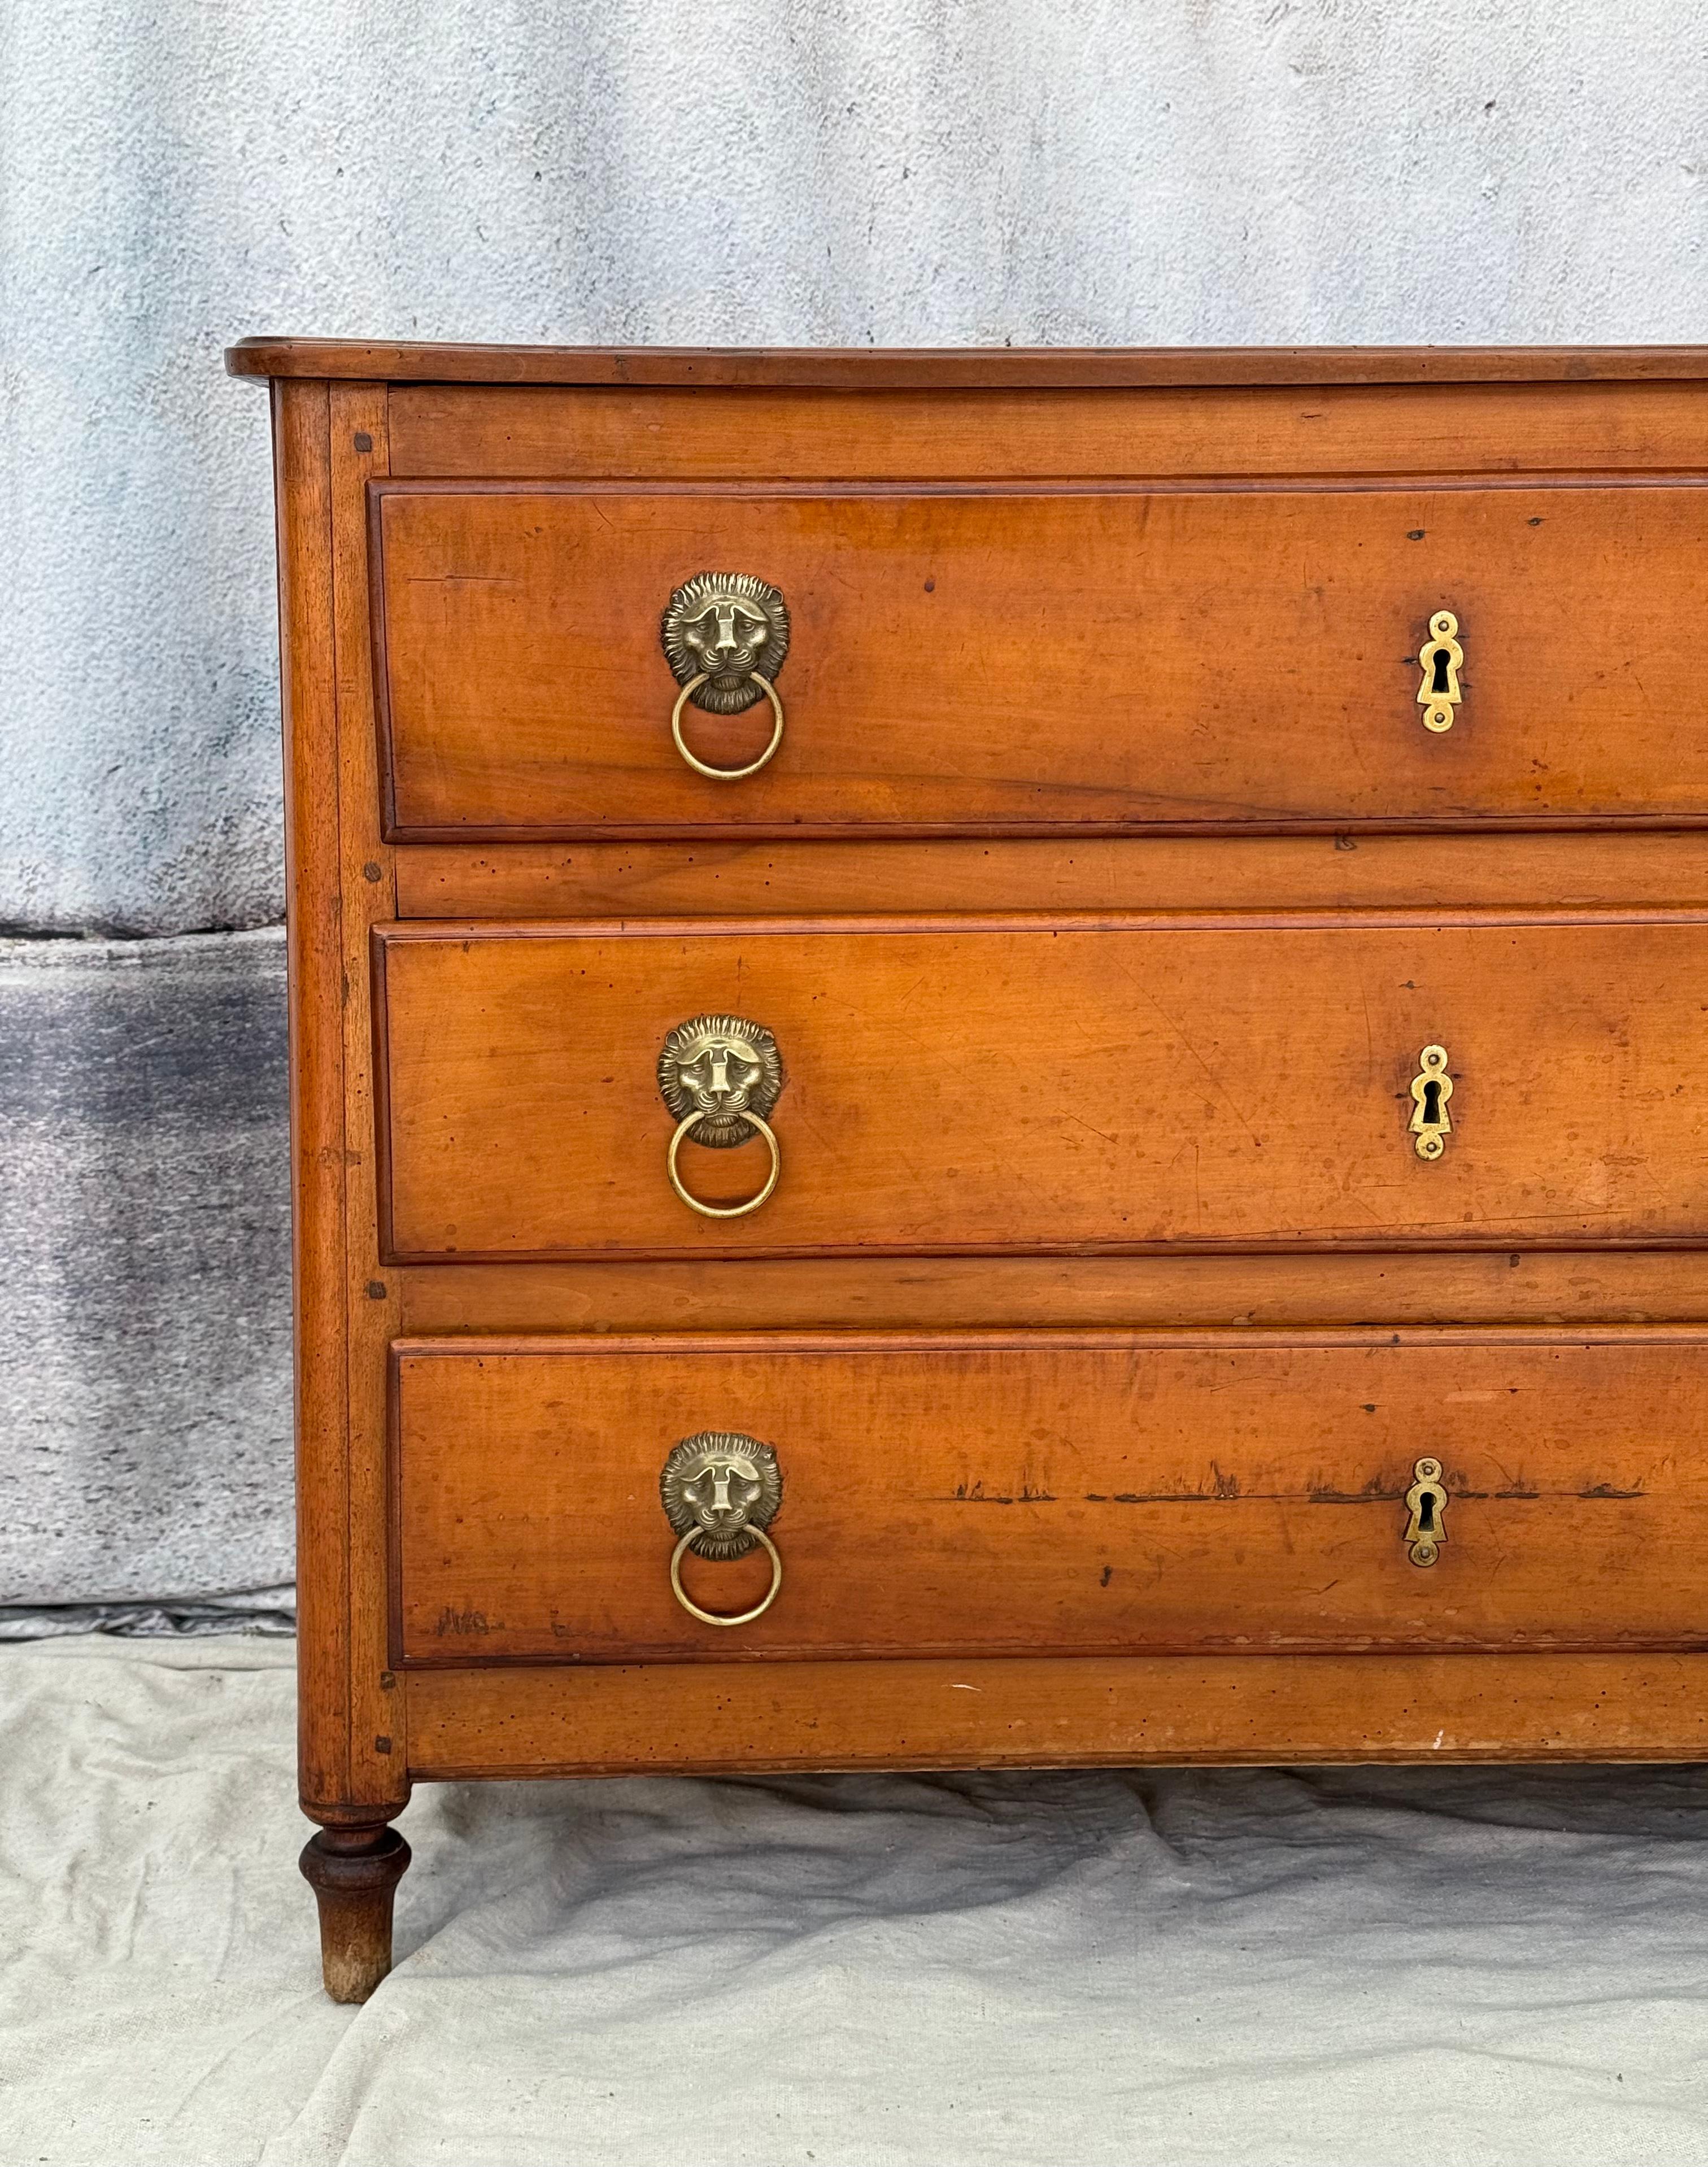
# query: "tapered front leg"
354, 1873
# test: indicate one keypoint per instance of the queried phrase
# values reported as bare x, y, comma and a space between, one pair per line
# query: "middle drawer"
1374, 1079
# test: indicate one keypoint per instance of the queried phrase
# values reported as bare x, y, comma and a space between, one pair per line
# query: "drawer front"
1047, 660
1038, 1083
1053, 1493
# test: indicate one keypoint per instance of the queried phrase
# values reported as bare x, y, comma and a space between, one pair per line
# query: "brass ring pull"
686, 1127
693, 760
720, 1076
724, 1618
725, 637
720, 1490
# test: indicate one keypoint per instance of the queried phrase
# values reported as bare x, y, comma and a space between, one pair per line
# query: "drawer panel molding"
983, 1494
1061, 660
1045, 1085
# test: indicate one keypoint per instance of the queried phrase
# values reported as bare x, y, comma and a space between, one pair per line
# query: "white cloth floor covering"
1254, 1968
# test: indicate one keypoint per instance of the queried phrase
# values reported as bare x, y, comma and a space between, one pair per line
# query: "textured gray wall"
144, 1400
897, 172
902, 172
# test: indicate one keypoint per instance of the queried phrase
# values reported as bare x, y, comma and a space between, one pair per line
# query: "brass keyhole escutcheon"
1432, 1087
1441, 658
1426, 1503
726, 635
721, 1076
721, 1489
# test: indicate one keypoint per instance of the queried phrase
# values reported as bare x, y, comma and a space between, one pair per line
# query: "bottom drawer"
982, 1493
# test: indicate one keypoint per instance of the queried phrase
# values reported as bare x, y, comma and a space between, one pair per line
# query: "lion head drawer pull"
1432, 1087
1442, 658
721, 1490
720, 1076
1426, 1502
726, 635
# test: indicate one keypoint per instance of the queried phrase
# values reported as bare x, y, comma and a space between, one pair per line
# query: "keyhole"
1426, 1514
1438, 683
1432, 1102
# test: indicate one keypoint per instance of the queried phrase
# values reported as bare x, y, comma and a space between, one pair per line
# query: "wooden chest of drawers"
997, 1059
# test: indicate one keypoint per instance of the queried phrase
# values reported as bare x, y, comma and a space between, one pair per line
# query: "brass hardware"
1426, 1501
686, 1128
1432, 1087
720, 1076
1442, 658
725, 774
721, 1489
726, 635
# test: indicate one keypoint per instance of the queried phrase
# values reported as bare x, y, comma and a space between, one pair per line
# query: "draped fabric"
1239, 1967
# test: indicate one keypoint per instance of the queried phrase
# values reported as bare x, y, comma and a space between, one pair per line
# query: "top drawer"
1050, 659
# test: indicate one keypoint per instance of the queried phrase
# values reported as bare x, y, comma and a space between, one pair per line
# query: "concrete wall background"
145, 1230
906, 172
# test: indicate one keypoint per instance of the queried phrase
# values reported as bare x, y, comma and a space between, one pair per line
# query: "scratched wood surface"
749, 434
379, 1747
1077, 659
1093, 872
1421, 1286
1042, 1711
1027, 1083
303, 488
983, 1495
940, 368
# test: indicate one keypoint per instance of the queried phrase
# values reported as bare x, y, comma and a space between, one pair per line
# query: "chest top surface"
957, 367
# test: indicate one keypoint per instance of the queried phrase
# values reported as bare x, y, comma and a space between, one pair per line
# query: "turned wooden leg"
354, 1873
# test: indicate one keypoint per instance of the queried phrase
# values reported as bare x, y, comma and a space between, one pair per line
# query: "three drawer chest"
998, 1059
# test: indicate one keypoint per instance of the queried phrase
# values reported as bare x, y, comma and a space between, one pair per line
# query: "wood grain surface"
945, 368
1032, 1083
1419, 1286
1044, 1492
748, 435
378, 1745
1038, 1712
1152, 872
302, 479
1024, 662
